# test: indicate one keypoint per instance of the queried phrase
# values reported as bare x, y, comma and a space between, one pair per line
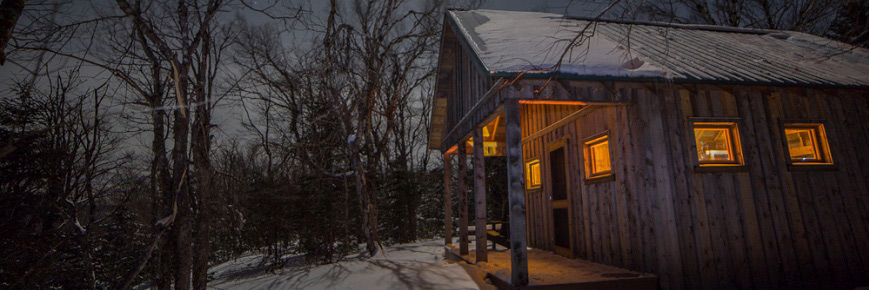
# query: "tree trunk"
182, 227
10, 10
369, 214
202, 163
161, 184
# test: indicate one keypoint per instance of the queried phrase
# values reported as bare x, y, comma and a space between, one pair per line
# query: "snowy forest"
142, 142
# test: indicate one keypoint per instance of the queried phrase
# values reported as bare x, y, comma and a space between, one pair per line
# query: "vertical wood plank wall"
763, 227
468, 83
535, 117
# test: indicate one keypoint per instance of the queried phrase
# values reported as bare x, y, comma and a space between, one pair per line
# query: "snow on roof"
509, 42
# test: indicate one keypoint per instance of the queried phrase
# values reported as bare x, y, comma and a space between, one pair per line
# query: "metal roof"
508, 42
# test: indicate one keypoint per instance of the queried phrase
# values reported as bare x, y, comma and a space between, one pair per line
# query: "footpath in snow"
407, 266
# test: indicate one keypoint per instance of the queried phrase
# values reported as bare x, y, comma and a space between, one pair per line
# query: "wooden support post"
480, 194
463, 198
448, 199
516, 195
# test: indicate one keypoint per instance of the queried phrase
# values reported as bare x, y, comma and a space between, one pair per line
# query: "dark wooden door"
559, 191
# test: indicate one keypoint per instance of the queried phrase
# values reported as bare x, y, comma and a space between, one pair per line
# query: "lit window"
807, 143
532, 174
598, 156
717, 143
492, 148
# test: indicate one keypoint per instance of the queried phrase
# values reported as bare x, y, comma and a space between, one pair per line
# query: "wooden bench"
500, 236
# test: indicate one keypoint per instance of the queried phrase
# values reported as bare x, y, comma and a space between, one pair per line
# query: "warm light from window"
492, 148
807, 143
532, 174
717, 143
598, 154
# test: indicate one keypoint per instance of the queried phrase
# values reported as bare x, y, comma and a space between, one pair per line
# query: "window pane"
532, 174
802, 145
535, 174
600, 156
713, 144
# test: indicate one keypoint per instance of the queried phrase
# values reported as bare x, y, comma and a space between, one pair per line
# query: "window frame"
822, 144
737, 162
590, 175
528, 183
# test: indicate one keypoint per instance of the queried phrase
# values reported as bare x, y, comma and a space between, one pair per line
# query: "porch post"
516, 195
480, 193
448, 199
463, 198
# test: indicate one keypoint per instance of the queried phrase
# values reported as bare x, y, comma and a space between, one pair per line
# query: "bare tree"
810, 16
851, 24
379, 66
191, 63
10, 10
165, 48
64, 142
368, 62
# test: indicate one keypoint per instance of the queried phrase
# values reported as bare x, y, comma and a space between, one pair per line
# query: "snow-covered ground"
408, 266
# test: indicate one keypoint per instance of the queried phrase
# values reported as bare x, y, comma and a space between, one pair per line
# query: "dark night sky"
228, 117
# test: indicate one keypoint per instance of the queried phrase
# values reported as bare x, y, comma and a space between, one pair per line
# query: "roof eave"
570, 76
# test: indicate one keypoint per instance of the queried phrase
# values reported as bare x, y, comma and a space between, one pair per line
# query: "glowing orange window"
807, 143
717, 143
598, 157
532, 174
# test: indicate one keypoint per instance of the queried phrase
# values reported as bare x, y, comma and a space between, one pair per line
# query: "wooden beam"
488, 97
463, 199
494, 128
491, 118
480, 194
452, 150
516, 195
448, 199
560, 123
599, 92
552, 102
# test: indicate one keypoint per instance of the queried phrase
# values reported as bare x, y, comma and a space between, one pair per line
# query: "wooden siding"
771, 226
468, 84
461, 84
534, 118
762, 226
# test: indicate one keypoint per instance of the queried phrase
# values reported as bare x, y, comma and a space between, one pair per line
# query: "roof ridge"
708, 27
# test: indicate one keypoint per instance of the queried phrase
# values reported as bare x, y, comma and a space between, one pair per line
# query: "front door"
559, 190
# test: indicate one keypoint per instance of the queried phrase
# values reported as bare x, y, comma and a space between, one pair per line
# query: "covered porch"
548, 270
505, 118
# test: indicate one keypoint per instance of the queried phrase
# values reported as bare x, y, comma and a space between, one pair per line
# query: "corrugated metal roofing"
509, 42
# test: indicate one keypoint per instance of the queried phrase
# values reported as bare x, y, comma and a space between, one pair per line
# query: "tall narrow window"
597, 154
807, 143
532, 174
717, 143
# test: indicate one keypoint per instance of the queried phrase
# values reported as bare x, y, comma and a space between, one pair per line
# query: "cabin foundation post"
480, 194
448, 199
516, 195
463, 198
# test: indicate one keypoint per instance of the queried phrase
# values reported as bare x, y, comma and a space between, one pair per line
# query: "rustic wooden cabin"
712, 157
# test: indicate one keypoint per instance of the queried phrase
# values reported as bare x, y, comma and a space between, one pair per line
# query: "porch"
548, 270
502, 124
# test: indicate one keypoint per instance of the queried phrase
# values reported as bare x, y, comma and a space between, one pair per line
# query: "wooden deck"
547, 270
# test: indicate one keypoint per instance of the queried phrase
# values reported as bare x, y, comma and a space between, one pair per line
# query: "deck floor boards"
547, 268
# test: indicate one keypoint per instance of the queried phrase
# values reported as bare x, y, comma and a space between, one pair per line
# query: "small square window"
597, 153
532, 174
807, 143
717, 143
